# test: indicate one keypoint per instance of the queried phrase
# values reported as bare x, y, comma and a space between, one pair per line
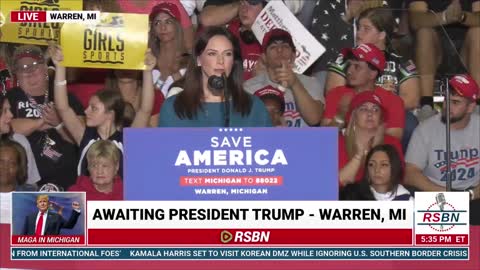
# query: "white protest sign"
277, 15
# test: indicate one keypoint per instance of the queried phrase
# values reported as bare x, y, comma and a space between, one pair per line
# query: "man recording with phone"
304, 99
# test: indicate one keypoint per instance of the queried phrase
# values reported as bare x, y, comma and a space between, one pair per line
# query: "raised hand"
56, 53
150, 60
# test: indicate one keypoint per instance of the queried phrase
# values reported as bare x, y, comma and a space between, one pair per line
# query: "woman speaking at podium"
213, 95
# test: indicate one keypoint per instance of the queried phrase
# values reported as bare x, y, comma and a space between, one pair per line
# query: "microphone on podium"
218, 86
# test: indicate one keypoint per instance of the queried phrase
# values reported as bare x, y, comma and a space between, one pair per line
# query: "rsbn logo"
441, 216
245, 237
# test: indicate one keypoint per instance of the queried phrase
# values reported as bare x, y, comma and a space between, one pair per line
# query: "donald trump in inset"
45, 222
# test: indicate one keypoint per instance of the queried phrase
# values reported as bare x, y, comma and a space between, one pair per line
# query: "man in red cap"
426, 155
303, 95
366, 63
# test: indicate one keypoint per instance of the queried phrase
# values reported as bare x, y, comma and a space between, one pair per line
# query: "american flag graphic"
51, 153
468, 162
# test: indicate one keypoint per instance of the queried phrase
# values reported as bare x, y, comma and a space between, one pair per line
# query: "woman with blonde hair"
104, 183
365, 116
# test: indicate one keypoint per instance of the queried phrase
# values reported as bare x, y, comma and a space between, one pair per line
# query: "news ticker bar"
240, 253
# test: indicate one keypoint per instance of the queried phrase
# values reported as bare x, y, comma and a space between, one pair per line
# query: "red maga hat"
369, 53
465, 86
166, 7
362, 98
277, 34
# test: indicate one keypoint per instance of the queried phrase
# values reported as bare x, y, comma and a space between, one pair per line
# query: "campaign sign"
277, 15
33, 32
118, 41
231, 164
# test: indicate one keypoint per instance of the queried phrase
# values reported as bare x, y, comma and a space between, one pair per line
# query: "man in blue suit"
45, 222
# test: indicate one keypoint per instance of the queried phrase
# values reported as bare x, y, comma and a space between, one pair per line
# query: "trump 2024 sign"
231, 164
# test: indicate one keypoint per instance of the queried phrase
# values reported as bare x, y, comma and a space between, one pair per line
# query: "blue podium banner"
231, 164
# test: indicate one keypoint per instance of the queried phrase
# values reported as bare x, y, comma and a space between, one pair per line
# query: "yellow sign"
119, 41
33, 33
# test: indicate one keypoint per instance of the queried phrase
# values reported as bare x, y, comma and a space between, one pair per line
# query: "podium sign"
231, 164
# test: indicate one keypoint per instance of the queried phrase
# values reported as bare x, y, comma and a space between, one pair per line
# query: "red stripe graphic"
28, 16
275, 236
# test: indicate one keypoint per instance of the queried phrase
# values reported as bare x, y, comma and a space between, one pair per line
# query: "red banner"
269, 237
441, 239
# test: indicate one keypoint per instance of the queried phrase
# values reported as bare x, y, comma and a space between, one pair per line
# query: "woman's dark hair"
113, 101
382, 19
396, 164
362, 190
189, 101
22, 171
4, 99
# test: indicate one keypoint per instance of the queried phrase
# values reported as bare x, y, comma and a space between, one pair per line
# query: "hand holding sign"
56, 53
276, 15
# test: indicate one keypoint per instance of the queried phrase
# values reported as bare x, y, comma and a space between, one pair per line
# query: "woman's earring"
46, 76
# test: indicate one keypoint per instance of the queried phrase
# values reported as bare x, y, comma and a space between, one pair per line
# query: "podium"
231, 164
